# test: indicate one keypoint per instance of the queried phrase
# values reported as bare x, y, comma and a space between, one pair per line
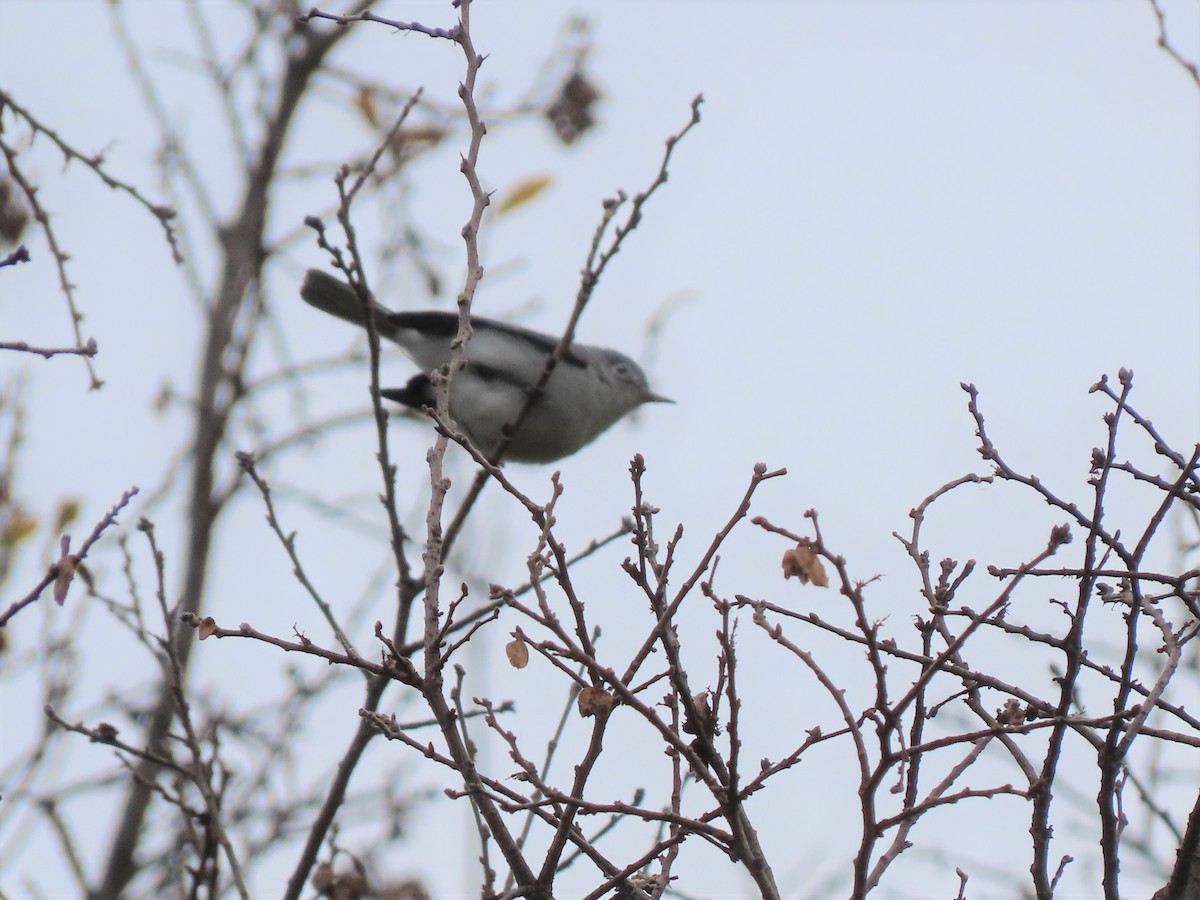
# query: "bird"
589, 390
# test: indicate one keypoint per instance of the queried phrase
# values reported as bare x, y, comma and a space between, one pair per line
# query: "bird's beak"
651, 397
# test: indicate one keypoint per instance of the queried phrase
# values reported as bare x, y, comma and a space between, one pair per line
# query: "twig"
246, 462
60, 256
594, 267
46, 352
63, 570
451, 34
164, 214
1189, 66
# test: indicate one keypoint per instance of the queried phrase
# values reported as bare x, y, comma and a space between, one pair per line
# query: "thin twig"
65, 567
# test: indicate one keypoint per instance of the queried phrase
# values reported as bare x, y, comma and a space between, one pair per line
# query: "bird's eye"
627, 373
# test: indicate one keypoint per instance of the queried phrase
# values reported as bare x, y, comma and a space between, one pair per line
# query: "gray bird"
590, 389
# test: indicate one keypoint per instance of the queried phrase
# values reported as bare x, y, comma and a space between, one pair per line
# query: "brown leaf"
411, 141
322, 878
593, 701
364, 101
803, 562
524, 190
64, 572
571, 112
13, 214
67, 512
17, 526
704, 725
1012, 713
518, 653
207, 627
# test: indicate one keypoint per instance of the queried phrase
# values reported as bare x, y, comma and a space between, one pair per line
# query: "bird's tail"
332, 295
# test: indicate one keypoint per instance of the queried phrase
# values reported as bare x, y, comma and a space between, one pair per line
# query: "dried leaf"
13, 214
18, 526
416, 139
64, 572
364, 101
704, 725
524, 190
322, 878
67, 512
803, 563
344, 885
593, 701
207, 627
571, 112
518, 653
1012, 713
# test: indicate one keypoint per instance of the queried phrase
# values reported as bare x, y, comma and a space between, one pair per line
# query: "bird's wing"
498, 349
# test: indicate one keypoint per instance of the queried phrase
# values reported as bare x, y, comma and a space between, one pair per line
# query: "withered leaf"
1012, 713
364, 102
593, 701
518, 653
17, 526
521, 192
803, 563
64, 572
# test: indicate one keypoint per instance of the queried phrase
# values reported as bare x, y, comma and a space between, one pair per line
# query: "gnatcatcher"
590, 389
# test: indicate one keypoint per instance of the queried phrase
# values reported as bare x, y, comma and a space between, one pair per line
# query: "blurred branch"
217, 395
